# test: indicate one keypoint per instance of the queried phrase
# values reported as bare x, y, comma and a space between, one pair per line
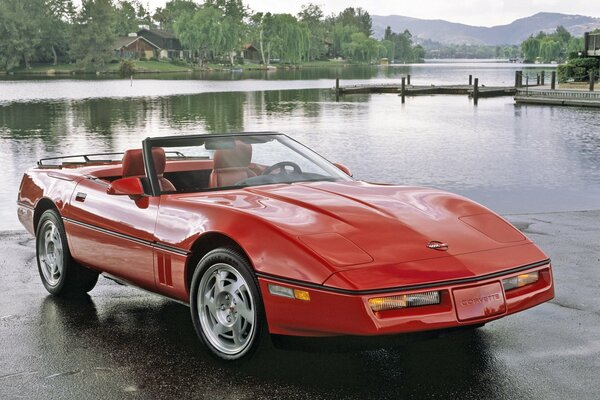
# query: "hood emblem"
435, 245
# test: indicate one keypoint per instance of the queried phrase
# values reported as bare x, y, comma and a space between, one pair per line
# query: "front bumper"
333, 313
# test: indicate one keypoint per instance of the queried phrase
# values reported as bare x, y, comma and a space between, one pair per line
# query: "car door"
113, 234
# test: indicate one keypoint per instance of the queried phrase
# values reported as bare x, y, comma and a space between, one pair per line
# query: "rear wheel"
226, 306
60, 274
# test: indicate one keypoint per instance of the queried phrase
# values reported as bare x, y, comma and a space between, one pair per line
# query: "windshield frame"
197, 140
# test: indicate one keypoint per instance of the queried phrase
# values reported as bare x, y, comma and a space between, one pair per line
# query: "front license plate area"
479, 301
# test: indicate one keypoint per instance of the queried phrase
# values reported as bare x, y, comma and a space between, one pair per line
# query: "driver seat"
133, 165
231, 166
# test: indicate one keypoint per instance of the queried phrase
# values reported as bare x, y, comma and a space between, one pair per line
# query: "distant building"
134, 47
251, 53
592, 44
168, 45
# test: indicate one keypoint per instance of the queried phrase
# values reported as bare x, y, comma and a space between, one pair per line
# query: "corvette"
260, 235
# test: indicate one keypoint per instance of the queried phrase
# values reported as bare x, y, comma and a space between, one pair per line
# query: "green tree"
312, 16
357, 17
56, 29
289, 39
258, 32
173, 9
125, 18
574, 46
93, 34
531, 48
233, 14
549, 50
20, 32
201, 31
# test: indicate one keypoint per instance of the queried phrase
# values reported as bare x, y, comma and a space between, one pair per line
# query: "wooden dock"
416, 90
579, 98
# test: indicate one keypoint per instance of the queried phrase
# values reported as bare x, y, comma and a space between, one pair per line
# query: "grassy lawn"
157, 66
141, 66
164, 66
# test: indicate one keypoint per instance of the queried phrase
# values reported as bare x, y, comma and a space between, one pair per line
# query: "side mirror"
343, 168
131, 186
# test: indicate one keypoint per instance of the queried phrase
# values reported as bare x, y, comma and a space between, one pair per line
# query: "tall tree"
531, 48
173, 9
358, 18
93, 34
20, 32
312, 16
233, 14
56, 28
201, 31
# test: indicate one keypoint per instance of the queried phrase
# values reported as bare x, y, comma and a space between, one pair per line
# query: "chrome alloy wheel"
50, 253
226, 309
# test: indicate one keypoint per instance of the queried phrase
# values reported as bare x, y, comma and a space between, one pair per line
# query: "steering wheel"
281, 167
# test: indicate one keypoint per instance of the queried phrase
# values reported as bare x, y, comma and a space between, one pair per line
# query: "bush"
127, 67
577, 69
153, 59
143, 59
180, 62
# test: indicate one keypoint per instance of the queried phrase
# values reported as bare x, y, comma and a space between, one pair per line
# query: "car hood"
353, 224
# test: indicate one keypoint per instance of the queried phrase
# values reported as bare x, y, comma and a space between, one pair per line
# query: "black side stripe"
402, 288
160, 246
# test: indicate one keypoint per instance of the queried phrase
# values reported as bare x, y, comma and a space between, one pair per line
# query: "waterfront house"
135, 47
169, 46
251, 53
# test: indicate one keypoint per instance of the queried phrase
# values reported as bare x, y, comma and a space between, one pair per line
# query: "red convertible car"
259, 235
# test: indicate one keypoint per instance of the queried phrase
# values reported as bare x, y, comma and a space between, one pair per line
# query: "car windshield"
220, 162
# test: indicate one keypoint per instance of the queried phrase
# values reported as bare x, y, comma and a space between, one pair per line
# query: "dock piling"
408, 79
337, 88
538, 80
591, 73
543, 75
403, 90
553, 80
518, 79
470, 80
476, 91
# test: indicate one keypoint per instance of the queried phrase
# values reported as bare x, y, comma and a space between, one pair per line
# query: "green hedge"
577, 69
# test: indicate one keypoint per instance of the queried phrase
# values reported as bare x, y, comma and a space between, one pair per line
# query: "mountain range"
454, 33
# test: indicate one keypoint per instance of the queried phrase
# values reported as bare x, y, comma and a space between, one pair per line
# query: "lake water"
514, 159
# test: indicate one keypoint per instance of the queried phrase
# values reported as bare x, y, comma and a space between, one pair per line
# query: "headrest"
133, 162
240, 156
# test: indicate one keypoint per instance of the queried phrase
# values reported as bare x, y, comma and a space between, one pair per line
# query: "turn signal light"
520, 281
404, 301
290, 293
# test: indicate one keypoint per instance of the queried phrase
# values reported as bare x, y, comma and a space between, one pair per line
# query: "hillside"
513, 33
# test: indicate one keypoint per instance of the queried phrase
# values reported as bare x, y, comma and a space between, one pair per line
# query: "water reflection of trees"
219, 112
101, 115
32, 119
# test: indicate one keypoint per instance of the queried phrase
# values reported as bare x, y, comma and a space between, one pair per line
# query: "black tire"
228, 316
60, 274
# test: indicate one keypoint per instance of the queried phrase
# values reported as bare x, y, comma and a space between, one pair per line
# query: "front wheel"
60, 274
226, 306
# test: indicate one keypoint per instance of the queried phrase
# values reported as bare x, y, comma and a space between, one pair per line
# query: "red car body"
342, 242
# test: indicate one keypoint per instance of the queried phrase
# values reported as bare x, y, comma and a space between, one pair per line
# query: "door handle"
80, 196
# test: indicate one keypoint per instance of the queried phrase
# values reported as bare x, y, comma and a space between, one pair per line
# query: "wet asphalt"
122, 343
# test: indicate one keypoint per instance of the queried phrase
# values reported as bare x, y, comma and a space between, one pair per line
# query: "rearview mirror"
343, 168
131, 186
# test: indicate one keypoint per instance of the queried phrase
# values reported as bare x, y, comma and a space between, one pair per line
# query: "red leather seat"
133, 165
231, 166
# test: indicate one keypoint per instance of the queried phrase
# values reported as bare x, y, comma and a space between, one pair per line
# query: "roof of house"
160, 32
125, 41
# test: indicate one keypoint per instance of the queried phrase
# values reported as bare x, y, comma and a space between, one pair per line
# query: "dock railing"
559, 94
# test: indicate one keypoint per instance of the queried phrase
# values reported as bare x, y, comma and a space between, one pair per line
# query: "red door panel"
113, 234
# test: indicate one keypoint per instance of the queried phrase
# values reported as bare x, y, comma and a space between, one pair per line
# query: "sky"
472, 12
